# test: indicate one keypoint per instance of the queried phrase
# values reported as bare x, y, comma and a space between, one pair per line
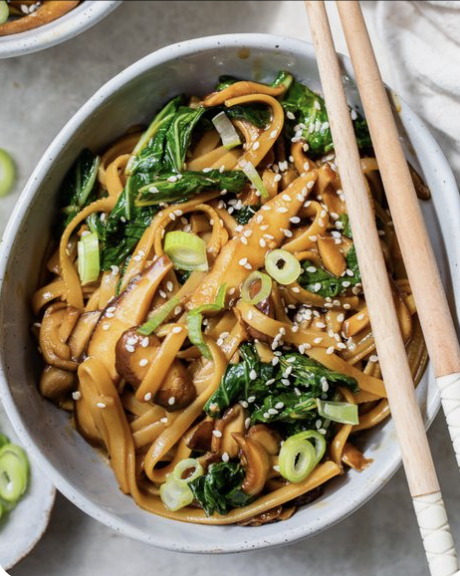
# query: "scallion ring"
255, 179
191, 467
256, 287
299, 457
14, 473
282, 266
227, 132
88, 258
4, 11
341, 412
7, 170
175, 494
195, 319
187, 251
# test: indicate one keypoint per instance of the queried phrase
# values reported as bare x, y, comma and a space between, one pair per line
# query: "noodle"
180, 341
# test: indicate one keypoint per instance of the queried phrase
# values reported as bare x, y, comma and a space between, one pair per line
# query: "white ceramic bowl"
71, 24
25, 525
132, 97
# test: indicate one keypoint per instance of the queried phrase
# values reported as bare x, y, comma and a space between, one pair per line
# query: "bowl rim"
65, 136
78, 20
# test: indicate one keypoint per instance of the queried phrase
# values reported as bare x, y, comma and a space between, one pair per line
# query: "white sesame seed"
145, 342
251, 399
148, 397
225, 457
330, 350
129, 348
217, 433
105, 326
176, 329
373, 358
253, 375
164, 420
76, 395
143, 362
318, 340
247, 423
100, 405
243, 261
172, 401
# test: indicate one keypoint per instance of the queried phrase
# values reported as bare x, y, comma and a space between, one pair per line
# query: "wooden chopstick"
432, 306
416, 455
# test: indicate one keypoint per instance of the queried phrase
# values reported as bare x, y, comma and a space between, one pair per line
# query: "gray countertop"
39, 93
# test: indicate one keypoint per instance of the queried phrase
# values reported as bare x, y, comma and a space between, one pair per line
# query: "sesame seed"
251, 399
247, 423
129, 348
244, 403
275, 361
164, 420
143, 362
145, 342
176, 329
172, 401
243, 261
225, 457
330, 350
320, 325
269, 382
76, 395
148, 397
217, 433
282, 210
132, 341
313, 238
285, 381
100, 405
340, 317
318, 340
373, 358
105, 326
162, 293
262, 243
244, 240
169, 286
253, 375
279, 405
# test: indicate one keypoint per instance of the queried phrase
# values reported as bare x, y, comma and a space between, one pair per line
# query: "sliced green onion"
175, 494
7, 172
4, 12
195, 319
298, 457
228, 134
187, 251
14, 473
256, 280
191, 466
255, 179
88, 258
282, 266
159, 317
341, 412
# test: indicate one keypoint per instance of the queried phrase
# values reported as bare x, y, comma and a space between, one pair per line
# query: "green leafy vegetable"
244, 214
78, 188
322, 282
286, 392
346, 228
178, 188
305, 107
220, 489
256, 114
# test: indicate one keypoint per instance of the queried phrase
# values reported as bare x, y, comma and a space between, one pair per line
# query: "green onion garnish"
7, 169
341, 412
195, 319
258, 281
159, 316
3, 440
255, 179
299, 457
14, 473
88, 258
175, 494
4, 12
191, 467
186, 251
228, 134
282, 266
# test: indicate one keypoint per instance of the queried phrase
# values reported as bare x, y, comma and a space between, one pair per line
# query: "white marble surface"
38, 94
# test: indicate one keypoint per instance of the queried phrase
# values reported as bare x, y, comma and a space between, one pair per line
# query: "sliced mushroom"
331, 255
177, 390
126, 311
55, 351
57, 384
134, 353
81, 334
200, 436
256, 460
354, 458
232, 422
269, 439
274, 515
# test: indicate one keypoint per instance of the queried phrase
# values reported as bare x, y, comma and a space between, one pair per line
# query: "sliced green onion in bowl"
175, 494
341, 412
195, 319
255, 179
227, 132
88, 258
7, 172
187, 251
282, 266
299, 457
4, 11
158, 317
14, 473
189, 466
258, 281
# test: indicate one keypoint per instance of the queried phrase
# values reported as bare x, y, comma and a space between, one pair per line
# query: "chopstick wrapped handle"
449, 387
436, 536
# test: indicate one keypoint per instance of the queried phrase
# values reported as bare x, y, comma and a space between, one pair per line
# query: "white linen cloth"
423, 40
